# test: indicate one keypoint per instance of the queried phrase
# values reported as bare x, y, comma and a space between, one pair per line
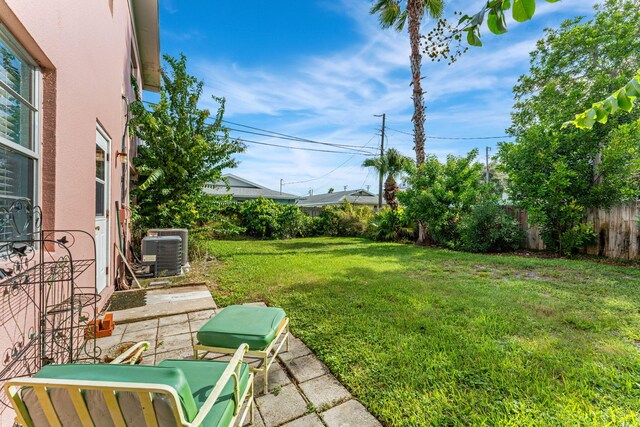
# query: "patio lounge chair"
174, 393
264, 329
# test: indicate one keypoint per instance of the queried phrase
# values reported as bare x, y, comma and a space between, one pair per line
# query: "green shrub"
441, 194
264, 218
577, 238
344, 220
292, 222
260, 217
488, 228
389, 225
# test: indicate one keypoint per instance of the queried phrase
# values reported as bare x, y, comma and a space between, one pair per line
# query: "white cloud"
334, 98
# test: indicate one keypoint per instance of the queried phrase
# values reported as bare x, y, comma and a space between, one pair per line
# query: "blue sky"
322, 70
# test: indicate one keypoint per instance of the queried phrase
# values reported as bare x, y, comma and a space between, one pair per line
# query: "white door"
102, 210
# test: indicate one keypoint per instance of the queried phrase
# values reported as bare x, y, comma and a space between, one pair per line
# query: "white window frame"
34, 106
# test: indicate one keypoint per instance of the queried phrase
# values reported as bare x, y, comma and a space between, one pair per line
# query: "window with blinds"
18, 125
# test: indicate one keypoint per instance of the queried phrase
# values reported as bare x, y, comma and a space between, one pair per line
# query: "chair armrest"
232, 371
137, 348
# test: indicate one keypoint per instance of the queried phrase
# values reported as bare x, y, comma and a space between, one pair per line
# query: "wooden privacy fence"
618, 234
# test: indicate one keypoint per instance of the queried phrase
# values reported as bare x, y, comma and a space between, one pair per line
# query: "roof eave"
147, 32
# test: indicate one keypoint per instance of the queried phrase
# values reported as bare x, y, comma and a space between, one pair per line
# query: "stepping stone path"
302, 391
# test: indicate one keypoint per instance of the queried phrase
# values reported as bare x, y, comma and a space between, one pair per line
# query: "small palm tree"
391, 164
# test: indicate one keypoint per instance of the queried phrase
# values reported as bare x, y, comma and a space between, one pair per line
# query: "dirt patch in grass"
579, 257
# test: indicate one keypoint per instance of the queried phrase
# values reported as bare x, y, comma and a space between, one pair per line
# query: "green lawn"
433, 337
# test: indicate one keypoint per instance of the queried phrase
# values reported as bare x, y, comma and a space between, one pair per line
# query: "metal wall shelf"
47, 293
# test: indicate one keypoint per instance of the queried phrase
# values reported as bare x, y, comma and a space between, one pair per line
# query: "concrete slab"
108, 342
159, 310
296, 349
325, 392
305, 368
139, 326
170, 320
277, 378
141, 335
257, 419
175, 342
168, 302
173, 298
311, 420
148, 359
202, 314
349, 414
175, 329
286, 406
195, 325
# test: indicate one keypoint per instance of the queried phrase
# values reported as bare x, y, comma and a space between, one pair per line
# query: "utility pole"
487, 160
281, 185
384, 116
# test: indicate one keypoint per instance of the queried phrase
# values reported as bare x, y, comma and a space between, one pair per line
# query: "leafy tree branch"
622, 99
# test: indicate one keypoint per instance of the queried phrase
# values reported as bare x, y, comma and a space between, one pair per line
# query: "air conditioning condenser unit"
162, 255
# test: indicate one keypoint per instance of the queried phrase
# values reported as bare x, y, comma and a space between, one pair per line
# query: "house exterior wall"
314, 211
84, 50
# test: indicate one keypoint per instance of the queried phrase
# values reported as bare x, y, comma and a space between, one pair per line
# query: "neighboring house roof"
147, 33
244, 189
356, 197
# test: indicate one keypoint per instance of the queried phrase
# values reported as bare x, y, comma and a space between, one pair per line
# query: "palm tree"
392, 14
391, 164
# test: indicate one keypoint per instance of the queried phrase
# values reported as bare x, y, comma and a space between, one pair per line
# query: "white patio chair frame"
281, 338
144, 392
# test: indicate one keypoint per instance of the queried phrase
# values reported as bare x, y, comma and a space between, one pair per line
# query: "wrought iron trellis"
47, 293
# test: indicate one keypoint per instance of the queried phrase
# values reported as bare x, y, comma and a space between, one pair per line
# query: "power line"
278, 135
285, 136
302, 148
311, 141
453, 137
331, 171
346, 147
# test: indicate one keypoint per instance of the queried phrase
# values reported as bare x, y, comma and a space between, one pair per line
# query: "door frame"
106, 146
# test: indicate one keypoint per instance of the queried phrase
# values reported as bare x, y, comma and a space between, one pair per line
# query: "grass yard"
434, 337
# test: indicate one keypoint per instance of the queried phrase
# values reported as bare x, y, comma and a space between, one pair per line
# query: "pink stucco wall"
84, 49
88, 45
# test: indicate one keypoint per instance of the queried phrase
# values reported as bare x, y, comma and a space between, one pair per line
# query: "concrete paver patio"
302, 391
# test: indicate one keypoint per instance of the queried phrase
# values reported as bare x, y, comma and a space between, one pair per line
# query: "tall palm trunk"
390, 191
415, 11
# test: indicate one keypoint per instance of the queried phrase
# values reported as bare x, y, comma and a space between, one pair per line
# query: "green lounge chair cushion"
170, 376
202, 376
237, 324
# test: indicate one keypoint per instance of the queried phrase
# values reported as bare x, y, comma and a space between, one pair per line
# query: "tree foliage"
437, 43
391, 164
488, 227
440, 194
557, 172
344, 220
391, 225
183, 147
265, 218
494, 11
622, 99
